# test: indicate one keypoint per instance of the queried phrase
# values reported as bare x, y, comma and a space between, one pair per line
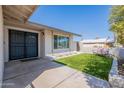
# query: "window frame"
61, 41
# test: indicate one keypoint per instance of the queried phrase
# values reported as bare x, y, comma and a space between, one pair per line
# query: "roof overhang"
51, 28
19, 13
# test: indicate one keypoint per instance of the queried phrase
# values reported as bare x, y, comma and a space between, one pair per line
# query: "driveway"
43, 73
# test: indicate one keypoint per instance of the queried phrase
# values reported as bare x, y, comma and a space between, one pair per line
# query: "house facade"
22, 43
21, 39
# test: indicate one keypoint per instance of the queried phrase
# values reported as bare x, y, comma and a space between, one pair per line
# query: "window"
61, 42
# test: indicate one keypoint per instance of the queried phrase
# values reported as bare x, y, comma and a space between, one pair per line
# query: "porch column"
1, 47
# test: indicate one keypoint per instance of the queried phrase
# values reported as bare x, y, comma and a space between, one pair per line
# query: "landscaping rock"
118, 53
115, 80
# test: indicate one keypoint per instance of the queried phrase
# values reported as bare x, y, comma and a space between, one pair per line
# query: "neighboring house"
20, 39
88, 45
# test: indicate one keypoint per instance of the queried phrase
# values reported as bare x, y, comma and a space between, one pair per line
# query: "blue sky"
88, 20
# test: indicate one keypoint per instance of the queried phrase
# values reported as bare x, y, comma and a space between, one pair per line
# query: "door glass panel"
31, 45
16, 45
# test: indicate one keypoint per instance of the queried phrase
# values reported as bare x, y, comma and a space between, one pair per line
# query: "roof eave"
52, 28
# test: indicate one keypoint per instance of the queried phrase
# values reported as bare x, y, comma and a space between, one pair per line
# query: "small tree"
116, 21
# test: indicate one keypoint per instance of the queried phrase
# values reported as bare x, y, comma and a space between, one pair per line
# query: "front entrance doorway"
22, 44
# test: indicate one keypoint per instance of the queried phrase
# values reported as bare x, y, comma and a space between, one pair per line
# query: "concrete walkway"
43, 73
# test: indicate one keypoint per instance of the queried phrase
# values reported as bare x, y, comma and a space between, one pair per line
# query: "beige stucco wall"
49, 49
1, 47
6, 42
88, 48
42, 44
48, 42
74, 46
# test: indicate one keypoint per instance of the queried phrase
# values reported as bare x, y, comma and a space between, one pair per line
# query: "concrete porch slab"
44, 73
51, 78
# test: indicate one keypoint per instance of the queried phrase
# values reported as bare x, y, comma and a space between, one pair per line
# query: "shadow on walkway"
21, 74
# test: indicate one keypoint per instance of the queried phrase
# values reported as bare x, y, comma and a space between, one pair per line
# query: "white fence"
85, 49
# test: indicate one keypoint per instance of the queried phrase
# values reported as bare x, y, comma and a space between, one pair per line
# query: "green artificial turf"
92, 64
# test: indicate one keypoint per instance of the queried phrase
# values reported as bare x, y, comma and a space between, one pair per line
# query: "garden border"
115, 80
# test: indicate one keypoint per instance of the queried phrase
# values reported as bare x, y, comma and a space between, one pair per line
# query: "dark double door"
22, 44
